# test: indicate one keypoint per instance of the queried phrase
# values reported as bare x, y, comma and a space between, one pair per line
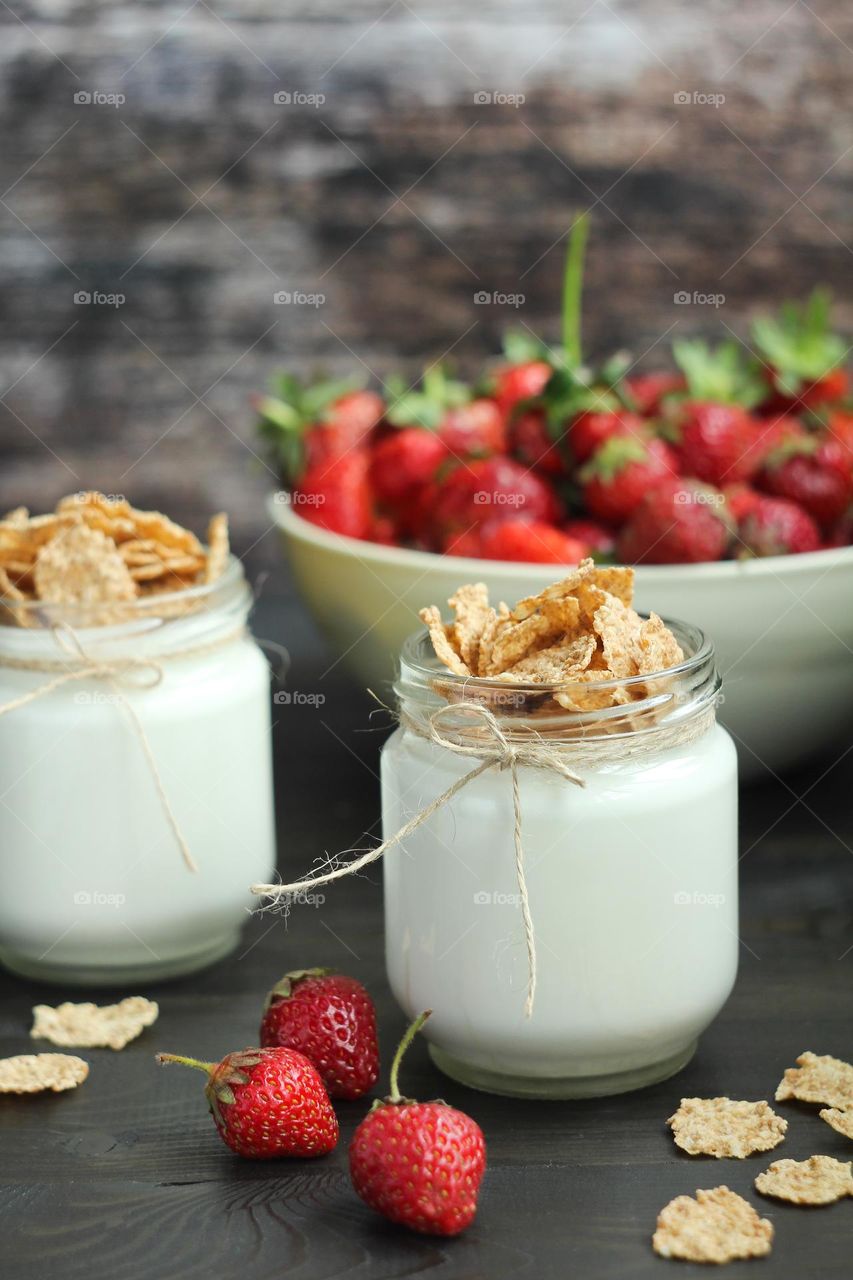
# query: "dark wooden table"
126, 1177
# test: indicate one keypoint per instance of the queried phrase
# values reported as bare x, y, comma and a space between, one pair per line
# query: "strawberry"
711, 427
530, 541
598, 538
840, 427
532, 443
384, 531
487, 489
418, 1163
647, 392
308, 426
331, 1020
814, 472
740, 500
802, 353
776, 527
467, 543
621, 471
680, 521
841, 534
267, 1103
402, 462
589, 431
519, 382
771, 433
336, 494
468, 427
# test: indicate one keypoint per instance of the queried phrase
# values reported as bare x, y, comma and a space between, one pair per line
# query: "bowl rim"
726, 570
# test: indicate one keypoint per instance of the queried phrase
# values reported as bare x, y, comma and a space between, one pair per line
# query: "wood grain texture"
397, 197
126, 1176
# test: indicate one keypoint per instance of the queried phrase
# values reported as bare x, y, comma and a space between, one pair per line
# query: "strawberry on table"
777, 527
803, 355
418, 1163
330, 1019
336, 494
267, 1103
681, 521
620, 473
813, 471
530, 541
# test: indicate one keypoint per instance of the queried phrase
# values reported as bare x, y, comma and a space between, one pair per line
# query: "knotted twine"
495, 750
78, 665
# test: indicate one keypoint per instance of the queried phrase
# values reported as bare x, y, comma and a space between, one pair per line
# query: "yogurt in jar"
631, 882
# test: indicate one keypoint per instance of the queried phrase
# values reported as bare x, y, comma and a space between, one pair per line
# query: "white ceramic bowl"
782, 626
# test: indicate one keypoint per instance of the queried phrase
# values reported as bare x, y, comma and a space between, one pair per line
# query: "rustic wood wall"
388, 184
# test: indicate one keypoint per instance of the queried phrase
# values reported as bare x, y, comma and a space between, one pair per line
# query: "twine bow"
115, 671
494, 751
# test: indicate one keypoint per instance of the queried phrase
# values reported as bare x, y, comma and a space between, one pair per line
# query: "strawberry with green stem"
803, 355
712, 428
814, 471
267, 1103
309, 425
418, 1163
468, 426
621, 472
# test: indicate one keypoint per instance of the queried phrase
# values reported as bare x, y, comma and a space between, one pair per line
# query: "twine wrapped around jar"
486, 741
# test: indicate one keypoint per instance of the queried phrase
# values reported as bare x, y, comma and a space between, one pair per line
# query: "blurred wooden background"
398, 175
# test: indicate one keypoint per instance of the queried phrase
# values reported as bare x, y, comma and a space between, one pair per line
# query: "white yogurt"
93, 885
632, 886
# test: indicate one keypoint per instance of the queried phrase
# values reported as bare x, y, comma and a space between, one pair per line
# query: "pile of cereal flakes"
102, 554
578, 632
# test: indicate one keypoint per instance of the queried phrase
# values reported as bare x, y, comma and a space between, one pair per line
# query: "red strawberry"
681, 521
311, 425
771, 433
597, 537
418, 1163
384, 531
590, 431
402, 462
803, 354
474, 429
841, 534
336, 494
840, 427
740, 500
647, 391
620, 473
488, 489
531, 541
776, 527
267, 1103
814, 472
715, 442
532, 443
467, 543
331, 1020
520, 382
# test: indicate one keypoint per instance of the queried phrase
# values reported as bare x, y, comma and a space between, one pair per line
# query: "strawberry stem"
573, 289
395, 1095
207, 1067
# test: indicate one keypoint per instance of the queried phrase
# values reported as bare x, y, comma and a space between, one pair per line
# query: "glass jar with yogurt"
631, 878
115, 782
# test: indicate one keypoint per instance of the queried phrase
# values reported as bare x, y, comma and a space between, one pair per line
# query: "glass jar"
114, 782
631, 879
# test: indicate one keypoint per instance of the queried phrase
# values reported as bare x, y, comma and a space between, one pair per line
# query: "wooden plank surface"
126, 1177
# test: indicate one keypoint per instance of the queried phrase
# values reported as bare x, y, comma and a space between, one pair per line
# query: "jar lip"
420, 660
43, 616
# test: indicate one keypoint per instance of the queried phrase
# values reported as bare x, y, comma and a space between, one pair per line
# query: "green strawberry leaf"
724, 375
799, 343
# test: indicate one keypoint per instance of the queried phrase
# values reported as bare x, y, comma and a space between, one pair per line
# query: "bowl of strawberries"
727, 480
